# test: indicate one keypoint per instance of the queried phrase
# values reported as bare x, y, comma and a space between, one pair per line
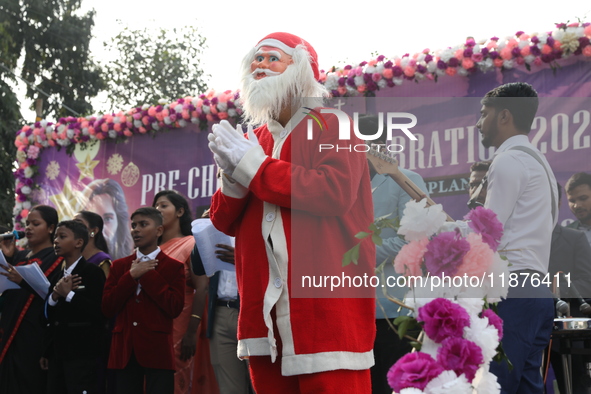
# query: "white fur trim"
253, 347
271, 42
249, 165
231, 188
327, 361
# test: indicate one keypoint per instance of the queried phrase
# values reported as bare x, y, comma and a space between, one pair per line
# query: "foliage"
154, 64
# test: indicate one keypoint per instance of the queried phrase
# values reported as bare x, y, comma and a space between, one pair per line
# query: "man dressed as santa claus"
294, 209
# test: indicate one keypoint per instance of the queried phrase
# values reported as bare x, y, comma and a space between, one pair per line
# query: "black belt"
229, 303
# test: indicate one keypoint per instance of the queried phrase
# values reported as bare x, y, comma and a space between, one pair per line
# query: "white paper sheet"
206, 238
35, 278
5, 283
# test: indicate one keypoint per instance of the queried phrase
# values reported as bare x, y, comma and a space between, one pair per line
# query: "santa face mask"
269, 61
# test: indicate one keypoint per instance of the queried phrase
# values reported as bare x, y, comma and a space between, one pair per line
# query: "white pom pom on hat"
287, 43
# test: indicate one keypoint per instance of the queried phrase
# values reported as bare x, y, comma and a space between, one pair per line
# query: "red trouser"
267, 379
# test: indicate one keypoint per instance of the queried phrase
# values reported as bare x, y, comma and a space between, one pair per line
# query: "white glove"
229, 145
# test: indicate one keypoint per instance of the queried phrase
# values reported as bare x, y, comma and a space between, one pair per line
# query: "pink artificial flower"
185, 114
33, 152
413, 370
574, 24
117, 127
512, 43
588, 31
498, 62
477, 57
557, 44
443, 319
152, 111
524, 37
546, 49
445, 253
408, 260
459, 54
506, 53
412, 62
37, 131
485, 222
105, 127
51, 143
91, 130
461, 356
165, 112
146, 120
494, 320
209, 117
159, 116
26, 128
467, 63
361, 88
587, 51
520, 60
128, 133
388, 73
451, 71
109, 118
537, 61
54, 135
142, 130
342, 90
100, 136
137, 116
322, 77
376, 77
479, 258
492, 44
222, 115
25, 213
25, 141
372, 62
525, 51
430, 76
409, 71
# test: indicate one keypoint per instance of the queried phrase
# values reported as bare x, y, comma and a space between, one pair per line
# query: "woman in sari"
177, 242
22, 324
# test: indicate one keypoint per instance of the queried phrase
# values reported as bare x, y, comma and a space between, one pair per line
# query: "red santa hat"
287, 43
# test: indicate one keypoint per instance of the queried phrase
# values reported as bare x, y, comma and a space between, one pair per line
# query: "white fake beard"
264, 99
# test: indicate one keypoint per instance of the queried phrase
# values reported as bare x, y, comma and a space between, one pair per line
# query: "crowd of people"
289, 206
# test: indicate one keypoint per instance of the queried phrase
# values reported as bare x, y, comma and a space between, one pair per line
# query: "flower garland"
462, 331
462, 60
365, 78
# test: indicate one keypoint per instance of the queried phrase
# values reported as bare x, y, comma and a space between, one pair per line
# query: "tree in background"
154, 64
46, 44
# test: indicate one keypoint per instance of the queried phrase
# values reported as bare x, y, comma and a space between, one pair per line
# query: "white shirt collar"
150, 256
275, 127
68, 271
516, 140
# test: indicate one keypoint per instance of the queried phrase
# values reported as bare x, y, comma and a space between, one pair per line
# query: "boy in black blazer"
76, 322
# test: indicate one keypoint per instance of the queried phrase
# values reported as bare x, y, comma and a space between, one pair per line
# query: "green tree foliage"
154, 64
46, 43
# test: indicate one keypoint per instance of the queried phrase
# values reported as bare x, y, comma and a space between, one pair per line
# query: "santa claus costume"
294, 209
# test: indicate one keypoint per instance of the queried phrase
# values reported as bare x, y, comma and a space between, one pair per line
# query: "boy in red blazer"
146, 292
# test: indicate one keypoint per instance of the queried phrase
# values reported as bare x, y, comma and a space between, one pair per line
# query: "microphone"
15, 234
562, 307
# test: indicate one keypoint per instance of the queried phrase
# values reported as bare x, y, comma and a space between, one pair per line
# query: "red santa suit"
294, 209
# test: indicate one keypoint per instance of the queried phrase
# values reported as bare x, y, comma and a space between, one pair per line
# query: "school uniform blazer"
76, 327
144, 320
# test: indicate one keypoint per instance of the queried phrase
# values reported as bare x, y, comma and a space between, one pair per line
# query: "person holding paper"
74, 314
22, 326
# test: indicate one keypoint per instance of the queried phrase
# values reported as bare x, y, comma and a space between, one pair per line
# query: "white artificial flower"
28, 172
440, 72
558, 34
476, 48
508, 63
359, 80
194, 120
404, 62
332, 82
485, 382
206, 110
397, 81
155, 126
182, 123
579, 31
432, 66
167, 120
419, 221
49, 129
380, 67
411, 390
70, 133
26, 205
421, 57
178, 108
472, 305
222, 106
61, 128
449, 383
26, 190
113, 133
45, 144
370, 69
195, 100
462, 71
232, 112
419, 76
136, 123
22, 135
543, 38
382, 83
500, 45
162, 101
523, 43
430, 347
529, 59
43, 123
483, 335
21, 156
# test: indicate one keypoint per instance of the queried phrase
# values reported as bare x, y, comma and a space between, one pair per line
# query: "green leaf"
355, 254
376, 239
361, 235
